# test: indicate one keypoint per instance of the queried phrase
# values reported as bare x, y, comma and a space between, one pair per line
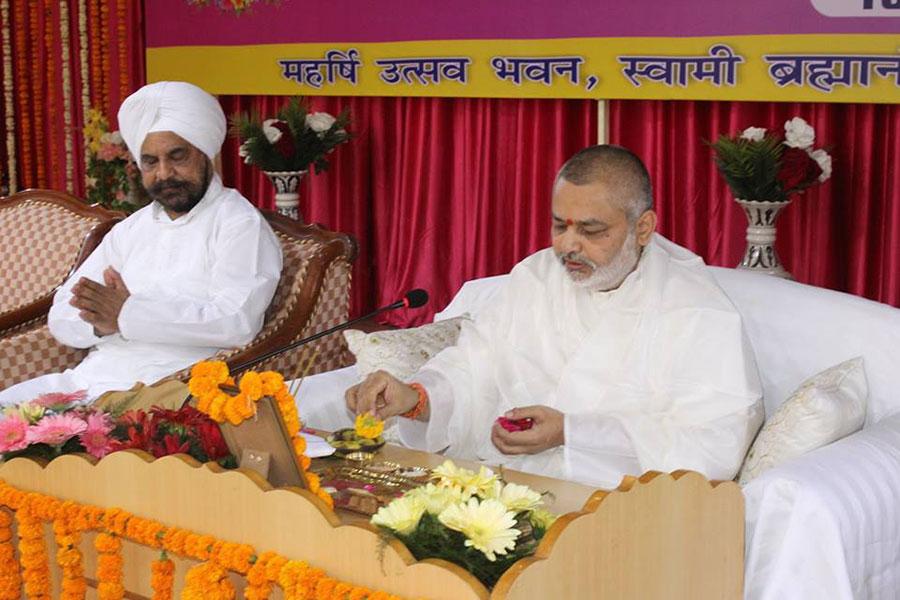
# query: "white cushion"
825, 408
798, 329
401, 352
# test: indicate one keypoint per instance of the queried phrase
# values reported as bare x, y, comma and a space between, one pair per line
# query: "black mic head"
415, 298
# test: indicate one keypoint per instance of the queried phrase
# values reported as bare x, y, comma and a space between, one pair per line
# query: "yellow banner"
818, 68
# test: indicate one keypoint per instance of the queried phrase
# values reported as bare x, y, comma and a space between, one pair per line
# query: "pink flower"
95, 438
13, 431
59, 398
55, 430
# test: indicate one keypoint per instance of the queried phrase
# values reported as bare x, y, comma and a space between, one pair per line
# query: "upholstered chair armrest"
312, 295
820, 525
25, 317
34, 352
59, 231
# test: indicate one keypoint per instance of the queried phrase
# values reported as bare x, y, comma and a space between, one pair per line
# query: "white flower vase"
287, 199
761, 256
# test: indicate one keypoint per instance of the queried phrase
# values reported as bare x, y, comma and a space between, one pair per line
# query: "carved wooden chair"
312, 295
44, 236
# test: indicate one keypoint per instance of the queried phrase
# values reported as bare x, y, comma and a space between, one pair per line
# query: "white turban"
176, 106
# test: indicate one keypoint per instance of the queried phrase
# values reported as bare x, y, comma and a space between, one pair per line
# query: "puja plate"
345, 441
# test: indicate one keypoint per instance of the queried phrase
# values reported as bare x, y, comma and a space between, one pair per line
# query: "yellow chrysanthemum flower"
401, 515
468, 482
542, 518
368, 426
518, 498
487, 525
436, 498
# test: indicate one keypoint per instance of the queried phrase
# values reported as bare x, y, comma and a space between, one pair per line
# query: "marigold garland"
67, 91
122, 32
109, 566
68, 556
50, 81
83, 69
37, 103
206, 581
204, 385
21, 75
10, 110
103, 26
93, 41
10, 579
32, 554
162, 577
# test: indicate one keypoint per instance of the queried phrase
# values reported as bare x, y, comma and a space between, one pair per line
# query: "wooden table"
562, 496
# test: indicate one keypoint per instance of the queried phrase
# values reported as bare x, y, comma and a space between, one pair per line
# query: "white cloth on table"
657, 374
198, 284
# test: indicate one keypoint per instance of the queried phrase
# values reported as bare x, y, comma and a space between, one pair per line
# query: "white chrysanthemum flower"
824, 160
799, 134
401, 515
436, 498
320, 122
468, 482
273, 134
542, 518
487, 525
519, 498
754, 134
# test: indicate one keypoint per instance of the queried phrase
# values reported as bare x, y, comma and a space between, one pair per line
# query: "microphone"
412, 299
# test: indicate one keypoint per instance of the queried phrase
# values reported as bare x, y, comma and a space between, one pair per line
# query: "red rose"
285, 144
798, 170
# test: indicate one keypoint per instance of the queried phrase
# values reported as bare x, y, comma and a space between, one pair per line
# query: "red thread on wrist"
417, 410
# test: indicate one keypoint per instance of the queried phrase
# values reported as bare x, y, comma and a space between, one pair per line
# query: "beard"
178, 195
603, 278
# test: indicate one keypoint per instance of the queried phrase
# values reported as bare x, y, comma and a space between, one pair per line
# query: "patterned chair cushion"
39, 244
32, 353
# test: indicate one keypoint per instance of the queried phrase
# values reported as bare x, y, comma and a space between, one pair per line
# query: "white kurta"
657, 374
198, 284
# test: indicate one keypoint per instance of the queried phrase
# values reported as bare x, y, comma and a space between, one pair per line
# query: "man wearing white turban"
180, 279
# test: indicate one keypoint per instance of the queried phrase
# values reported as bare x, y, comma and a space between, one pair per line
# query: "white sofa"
824, 525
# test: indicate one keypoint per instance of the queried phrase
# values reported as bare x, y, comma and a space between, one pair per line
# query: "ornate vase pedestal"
761, 256
287, 199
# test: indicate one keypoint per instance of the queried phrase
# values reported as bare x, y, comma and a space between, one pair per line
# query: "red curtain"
63, 57
436, 190
844, 234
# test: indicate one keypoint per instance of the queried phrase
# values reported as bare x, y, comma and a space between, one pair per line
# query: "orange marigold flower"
271, 382
299, 444
216, 369
251, 385
312, 481
326, 498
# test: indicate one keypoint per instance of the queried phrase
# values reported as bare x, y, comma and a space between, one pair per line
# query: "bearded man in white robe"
189, 274
616, 344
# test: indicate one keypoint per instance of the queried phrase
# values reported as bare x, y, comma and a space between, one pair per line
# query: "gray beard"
609, 276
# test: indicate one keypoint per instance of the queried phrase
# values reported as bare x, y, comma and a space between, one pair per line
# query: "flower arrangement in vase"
764, 170
285, 146
113, 178
475, 520
53, 424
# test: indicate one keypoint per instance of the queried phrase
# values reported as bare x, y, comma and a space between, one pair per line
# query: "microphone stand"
245, 365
